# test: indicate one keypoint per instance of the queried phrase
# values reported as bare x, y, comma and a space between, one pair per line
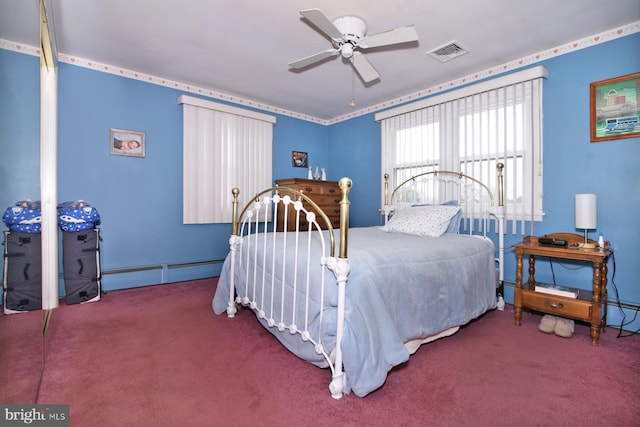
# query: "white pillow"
422, 220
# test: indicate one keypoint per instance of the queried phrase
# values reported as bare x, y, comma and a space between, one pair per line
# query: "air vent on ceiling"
448, 51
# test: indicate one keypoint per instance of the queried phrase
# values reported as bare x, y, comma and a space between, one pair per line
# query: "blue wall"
20, 124
140, 199
355, 152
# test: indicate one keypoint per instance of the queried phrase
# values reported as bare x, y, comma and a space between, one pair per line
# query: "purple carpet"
159, 356
20, 356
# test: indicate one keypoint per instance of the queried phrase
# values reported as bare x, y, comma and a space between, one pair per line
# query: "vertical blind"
224, 147
471, 134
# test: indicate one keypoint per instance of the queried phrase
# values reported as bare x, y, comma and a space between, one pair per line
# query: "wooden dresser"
326, 194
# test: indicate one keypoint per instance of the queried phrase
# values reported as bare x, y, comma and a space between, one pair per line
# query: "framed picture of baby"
126, 143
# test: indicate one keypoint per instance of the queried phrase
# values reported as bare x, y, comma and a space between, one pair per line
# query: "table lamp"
586, 216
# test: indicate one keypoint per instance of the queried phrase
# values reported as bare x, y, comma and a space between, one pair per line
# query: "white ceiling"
242, 47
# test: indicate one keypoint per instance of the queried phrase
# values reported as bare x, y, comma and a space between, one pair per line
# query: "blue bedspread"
401, 287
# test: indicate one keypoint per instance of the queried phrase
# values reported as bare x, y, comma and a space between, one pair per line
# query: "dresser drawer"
323, 201
316, 189
329, 205
304, 224
318, 193
552, 304
333, 212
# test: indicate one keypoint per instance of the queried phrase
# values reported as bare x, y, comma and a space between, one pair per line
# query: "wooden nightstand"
590, 307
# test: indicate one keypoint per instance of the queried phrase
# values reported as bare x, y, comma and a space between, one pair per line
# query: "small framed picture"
615, 108
299, 159
126, 143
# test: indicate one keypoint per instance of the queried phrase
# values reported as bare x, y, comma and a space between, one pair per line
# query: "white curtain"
224, 147
470, 131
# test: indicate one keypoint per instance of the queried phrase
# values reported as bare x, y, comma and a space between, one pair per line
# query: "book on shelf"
562, 291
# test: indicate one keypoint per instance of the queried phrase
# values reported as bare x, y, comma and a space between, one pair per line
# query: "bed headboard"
479, 205
438, 187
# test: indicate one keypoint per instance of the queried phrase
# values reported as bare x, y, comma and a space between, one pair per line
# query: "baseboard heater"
130, 270
195, 263
161, 267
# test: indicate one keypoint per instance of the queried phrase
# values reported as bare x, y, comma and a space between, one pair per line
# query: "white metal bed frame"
254, 227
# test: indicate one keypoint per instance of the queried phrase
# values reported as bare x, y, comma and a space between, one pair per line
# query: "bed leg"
234, 243
341, 268
232, 310
336, 387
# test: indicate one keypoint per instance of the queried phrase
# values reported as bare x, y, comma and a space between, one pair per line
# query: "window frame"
530, 170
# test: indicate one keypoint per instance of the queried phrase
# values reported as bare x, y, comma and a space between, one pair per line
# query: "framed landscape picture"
615, 108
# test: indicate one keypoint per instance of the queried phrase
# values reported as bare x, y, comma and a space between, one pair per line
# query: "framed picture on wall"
299, 159
127, 143
615, 108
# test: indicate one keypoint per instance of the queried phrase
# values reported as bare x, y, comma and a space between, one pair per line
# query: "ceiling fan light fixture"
347, 50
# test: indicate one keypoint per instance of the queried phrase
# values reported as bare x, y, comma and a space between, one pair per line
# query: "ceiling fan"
348, 36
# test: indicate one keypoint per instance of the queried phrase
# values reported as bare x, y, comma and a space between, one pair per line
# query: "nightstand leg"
595, 334
596, 317
517, 303
531, 282
605, 297
518, 315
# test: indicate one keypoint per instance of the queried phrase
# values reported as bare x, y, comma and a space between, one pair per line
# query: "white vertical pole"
48, 162
49, 185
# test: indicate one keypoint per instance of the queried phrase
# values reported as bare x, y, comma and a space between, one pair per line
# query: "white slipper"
564, 328
548, 324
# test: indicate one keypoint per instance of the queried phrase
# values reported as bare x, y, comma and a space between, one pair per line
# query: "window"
470, 130
224, 147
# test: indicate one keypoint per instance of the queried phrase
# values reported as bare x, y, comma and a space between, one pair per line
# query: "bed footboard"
284, 275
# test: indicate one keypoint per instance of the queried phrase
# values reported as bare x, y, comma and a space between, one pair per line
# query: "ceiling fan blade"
317, 18
364, 67
301, 63
399, 35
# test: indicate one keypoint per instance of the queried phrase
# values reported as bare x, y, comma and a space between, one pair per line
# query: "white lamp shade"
586, 211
